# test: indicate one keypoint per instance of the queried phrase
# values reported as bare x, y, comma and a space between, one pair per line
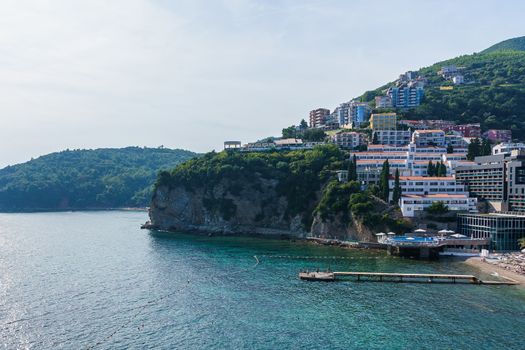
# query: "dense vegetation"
300, 175
101, 178
305, 178
515, 44
494, 93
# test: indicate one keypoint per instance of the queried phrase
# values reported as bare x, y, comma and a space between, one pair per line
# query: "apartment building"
499, 179
383, 121
507, 148
423, 138
319, 117
392, 137
406, 96
350, 140
497, 136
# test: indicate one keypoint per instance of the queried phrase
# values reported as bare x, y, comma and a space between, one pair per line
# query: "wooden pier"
400, 277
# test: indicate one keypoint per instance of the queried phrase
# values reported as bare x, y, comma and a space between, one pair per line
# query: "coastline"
491, 268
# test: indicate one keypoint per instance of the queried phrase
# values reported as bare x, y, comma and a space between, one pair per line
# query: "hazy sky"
190, 74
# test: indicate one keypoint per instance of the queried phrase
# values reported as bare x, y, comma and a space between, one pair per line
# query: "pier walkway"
401, 277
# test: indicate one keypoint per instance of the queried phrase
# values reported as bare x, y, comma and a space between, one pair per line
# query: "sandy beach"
491, 268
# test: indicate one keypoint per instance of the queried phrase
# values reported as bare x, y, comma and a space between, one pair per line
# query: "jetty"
329, 276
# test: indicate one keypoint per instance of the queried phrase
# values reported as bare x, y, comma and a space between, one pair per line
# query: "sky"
191, 74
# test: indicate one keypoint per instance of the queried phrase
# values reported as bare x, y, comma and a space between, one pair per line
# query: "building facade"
319, 117
503, 229
383, 121
507, 148
412, 203
424, 138
350, 140
392, 137
496, 136
406, 96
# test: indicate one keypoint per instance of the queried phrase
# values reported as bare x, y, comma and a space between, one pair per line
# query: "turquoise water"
94, 280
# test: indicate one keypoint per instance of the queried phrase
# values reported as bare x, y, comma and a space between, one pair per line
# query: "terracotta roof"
425, 178
363, 161
428, 131
438, 195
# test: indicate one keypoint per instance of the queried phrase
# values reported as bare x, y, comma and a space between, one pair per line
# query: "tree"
384, 177
486, 148
437, 208
396, 196
430, 169
474, 149
450, 149
289, 132
375, 139
313, 135
303, 125
521, 242
352, 169
441, 169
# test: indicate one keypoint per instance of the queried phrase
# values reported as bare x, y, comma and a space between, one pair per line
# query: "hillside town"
478, 175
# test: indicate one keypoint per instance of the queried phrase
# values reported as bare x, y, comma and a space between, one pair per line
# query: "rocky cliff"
256, 209
291, 194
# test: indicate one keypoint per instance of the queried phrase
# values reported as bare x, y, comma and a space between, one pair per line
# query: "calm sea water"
95, 280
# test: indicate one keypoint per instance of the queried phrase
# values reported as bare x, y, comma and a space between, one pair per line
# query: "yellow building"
383, 121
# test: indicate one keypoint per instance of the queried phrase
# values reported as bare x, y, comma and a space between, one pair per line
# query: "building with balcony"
406, 96
383, 121
499, 179
350, 139
319, 117
383, 102
424, 185
412, 203
507, 148
392, 137
497, 136
424, 138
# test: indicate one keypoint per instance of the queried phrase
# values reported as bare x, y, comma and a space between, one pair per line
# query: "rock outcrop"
257, 209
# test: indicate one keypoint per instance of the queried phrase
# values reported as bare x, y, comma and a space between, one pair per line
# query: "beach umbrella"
457, 235
420, 230
380, 234
391, 233
445, 231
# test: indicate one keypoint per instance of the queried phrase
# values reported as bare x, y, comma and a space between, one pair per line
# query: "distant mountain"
493, 94
82, 179
515, 44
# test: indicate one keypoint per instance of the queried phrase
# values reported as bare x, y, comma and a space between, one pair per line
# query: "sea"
95, 280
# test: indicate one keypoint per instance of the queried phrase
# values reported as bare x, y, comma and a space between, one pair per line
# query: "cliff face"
255, 209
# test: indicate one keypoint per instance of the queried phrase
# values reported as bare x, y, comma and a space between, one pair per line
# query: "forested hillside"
493, 93
79, 179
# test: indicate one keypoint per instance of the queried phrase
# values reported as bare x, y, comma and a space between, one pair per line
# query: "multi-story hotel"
424, 185
319, 117
409, 160
412, 203
392, 137
383, 121
503, 229
499, 179
349, 140
423, 138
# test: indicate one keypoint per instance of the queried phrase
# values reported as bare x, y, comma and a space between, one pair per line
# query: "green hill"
514, 44
494, 93
80, 179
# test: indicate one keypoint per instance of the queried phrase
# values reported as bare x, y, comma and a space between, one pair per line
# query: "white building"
392, 137
412, 203
458, 79
429, 138
349, 140
507, 148
424, 185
